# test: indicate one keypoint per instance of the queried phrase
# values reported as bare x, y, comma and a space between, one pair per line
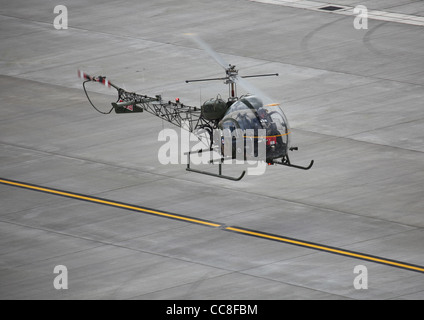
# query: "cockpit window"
230, 124
250, 113
258, 124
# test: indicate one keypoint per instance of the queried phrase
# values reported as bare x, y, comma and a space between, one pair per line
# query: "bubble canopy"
250, 115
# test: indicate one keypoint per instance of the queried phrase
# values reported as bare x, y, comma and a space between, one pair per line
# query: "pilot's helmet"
262, 113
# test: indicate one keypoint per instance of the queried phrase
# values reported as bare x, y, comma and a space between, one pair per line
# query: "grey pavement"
354, 100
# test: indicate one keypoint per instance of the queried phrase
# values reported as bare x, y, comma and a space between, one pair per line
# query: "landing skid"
218, 175
285, 161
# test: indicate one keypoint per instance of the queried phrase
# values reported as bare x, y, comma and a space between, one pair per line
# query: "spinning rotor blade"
236, 78
250, 88
100, 79
209, 50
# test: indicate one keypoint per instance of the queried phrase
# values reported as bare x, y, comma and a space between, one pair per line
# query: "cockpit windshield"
250, 113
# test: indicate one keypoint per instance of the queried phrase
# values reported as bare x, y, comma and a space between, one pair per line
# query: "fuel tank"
214, 109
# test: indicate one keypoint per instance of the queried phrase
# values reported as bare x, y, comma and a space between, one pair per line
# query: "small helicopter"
237, 118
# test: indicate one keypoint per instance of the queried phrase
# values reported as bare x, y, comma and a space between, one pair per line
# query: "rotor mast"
232, 74
231, 78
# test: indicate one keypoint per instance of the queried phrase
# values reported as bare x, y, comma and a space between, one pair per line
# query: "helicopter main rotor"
232, 78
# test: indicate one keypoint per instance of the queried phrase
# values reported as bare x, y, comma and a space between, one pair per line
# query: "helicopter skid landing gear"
285, 161
218, 175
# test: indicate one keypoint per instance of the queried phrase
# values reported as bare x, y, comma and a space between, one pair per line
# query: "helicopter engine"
214, 109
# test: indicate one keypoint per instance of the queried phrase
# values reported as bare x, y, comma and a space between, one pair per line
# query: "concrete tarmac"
354, 100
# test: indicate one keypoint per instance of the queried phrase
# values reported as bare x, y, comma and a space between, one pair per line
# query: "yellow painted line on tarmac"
328, 249
108, 202
237, 230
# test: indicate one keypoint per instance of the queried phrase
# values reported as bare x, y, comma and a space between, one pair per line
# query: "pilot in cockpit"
268, 124
264, 118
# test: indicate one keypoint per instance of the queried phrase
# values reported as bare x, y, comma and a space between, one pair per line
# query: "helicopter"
244, 124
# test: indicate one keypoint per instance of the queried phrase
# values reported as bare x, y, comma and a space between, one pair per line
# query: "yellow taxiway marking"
327, 249
108, 202
238, 230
